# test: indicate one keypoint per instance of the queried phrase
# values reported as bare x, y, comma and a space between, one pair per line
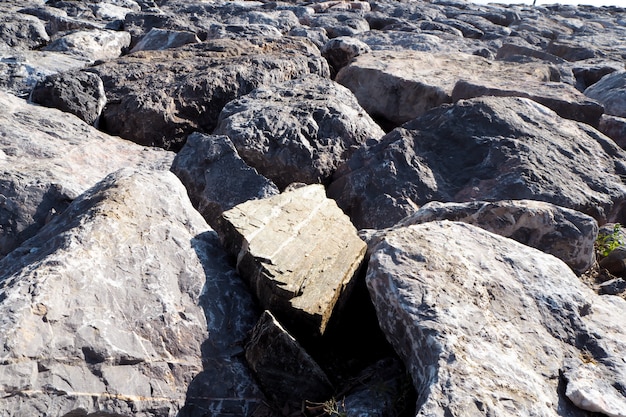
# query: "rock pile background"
362, 208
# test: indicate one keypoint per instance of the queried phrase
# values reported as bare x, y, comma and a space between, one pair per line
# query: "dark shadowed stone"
490, 148
216, 178
615, 128
339, 51
285, 371
22, 31
298, 252
195, 82
297, 131
572, 51
79, 93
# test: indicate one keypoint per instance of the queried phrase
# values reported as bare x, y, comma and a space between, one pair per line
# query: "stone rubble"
184, 184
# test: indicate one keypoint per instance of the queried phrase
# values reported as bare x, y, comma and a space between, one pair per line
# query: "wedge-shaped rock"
48, 158
488, 326
298, 252
106, 309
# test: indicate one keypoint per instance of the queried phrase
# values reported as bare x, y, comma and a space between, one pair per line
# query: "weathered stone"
613, 287
489, 148
297, 131
216, 178
158, 39
564, 233
487, 326
316, 35
615, 261
283, 368
109, 304
195, 82
57, 20
79, 93
22, 31
399, 87
339, 51
615, 128
48, 158
298, 252
92, 45
564, 99
337, 23
611, 92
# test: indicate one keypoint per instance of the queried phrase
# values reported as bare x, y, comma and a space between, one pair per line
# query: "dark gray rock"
79, 93
297, 131
489, 149
195, 82
610, 91
216, 178
615, 128
338, 23
22, 31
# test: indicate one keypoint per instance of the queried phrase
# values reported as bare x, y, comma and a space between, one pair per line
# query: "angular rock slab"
216, 178
399, 86
611, 92
298, 252
195, 82
488, 326
299, 130
283, 368
48, 158
567, 234
102, 311
490, 149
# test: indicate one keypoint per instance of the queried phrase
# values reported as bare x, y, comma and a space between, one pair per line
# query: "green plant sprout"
605, 244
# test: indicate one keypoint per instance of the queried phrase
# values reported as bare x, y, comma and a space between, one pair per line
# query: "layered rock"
487, 326
298, 252
489, 149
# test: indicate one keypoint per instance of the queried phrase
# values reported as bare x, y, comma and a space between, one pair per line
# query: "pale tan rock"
298, 252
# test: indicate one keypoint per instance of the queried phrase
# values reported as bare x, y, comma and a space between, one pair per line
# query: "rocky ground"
327, 208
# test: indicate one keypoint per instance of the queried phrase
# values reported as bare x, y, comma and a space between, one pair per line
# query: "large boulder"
487, 326
216, 178
567, 234
298, 252
92, 45
611, 92
47, 159
105, 310
195, 82
489, 148
297, 131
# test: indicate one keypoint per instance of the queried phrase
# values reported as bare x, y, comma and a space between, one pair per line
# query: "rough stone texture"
79, 93
164, 39
611, 92
282, 367
22, 31
564, 233
102, 311
399, 86
48, 158
297, 131
216, 178
195, 82
92, 45
298, 252
615, 128
489, 148
340, 51
487, 326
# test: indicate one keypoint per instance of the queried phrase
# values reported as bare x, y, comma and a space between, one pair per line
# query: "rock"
298, 252
615, 128
196, 81
92, 45
590, 72
158, 39
113, 322
611, 92
284, 369
564, 99
613, 287
78, 93
564, 233
571, 51
47, 159
341, 50
615, 261
488, 149
297, 131
216, 178
397, 88
21, 31
316, 35
478, 318
337, 23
